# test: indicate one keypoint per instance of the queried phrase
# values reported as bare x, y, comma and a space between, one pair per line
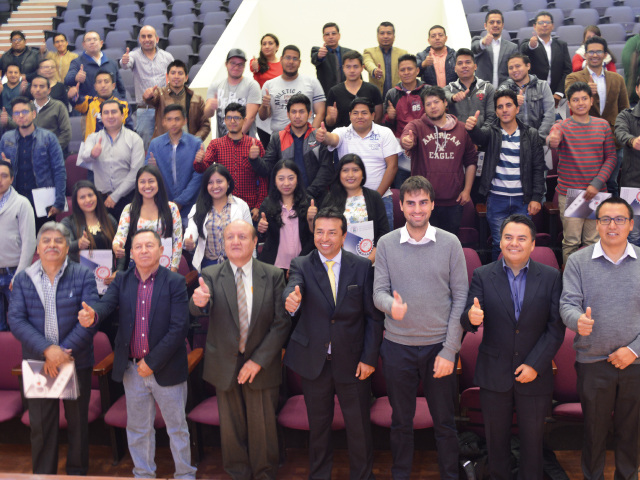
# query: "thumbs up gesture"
254, 65
585, 323
254, 151
263, 225
408, 141
152, 160
4, 159
398, 308
533, 42
377, 72
125, 58
476, 314
43, 49
266, 98
81, 76
97, 148
200, 155
488, 39
312, 211
72, 94
118, 248
201, 295
86, 316
555, 137
332, 112
211, 105
189, 244
83, 241
460, 96
592, 84
428, 62
323, 51
4, 117
321, 133
150, 92
471, 122
293, 300
521, 97
391, 111
23, 85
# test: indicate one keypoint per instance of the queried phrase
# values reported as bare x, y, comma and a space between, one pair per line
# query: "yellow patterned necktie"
332, 278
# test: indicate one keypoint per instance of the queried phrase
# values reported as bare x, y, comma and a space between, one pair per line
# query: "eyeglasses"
237, 65
22, 113
545, 24
595, 52
607, 220
229, 118
17, 40
291, 59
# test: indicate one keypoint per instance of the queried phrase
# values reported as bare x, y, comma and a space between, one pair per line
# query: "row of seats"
476, 6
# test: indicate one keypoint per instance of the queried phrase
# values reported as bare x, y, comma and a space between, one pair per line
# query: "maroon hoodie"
439, 155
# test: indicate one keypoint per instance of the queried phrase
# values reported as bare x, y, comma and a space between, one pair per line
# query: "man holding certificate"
43, 313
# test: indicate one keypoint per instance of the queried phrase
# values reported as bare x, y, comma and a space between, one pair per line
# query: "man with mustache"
493, 51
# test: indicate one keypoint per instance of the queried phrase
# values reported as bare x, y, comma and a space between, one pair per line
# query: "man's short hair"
519, 218
54, 226
106, 72
362, 101
291, 47
387, 24
330, 24
507, 92
433, 91
44, 60
60, 34
299, 98
8, 165
174, 107
147, 230
24, 100
331, 212
92, 31
42, 78
111, 101
178, 64
13, 64
615, 201
578, 87
407, 57
525, 59
465, 52
542, 13
415, 184
436, 26
352, 55
598, 40
236, 107
17, 32
495, 11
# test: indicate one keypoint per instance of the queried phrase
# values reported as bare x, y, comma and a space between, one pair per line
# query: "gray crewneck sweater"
432, 280
18, 227
612, 293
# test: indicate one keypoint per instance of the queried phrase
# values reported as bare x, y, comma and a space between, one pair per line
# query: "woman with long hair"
150, 209
266, 67
579, 61
215, 208
283, 225
359, 203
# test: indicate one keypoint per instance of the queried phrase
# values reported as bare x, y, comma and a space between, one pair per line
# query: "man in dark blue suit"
335, 344
150, 353
518, 300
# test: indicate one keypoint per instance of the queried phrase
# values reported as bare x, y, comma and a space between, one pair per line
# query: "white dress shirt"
547, 47
599, 252
495, 47
601, 83
247, 280
429, 236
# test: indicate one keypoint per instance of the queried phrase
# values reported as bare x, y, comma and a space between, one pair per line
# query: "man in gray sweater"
51, 114
425, 266
18, 228
600, 303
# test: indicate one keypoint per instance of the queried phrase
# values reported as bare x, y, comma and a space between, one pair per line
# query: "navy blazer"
352, 324
168, 324
506, 344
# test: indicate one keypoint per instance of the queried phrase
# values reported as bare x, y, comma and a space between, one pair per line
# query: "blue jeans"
5, 281
388, 206
146, 124
500, 207
612, 183
142, 393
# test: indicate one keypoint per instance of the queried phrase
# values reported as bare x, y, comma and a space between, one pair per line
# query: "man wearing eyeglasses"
606, 320
26, 58
549, 57
609, 94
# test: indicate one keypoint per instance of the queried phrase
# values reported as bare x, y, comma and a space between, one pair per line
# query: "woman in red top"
579, 62
265, 68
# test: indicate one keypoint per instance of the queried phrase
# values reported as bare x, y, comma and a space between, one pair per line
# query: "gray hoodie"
480, 98
18, 227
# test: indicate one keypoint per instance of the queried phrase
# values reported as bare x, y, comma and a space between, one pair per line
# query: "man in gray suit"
248, 326
492, 52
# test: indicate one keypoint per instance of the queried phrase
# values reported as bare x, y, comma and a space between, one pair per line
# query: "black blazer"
560, 62
533, 340
168, 324
271, 237
326, 69
352, 324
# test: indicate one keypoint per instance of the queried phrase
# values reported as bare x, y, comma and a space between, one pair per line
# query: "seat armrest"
554, 367
551, 208
459, 367
17, 370
105, 366
194, 358
481, 210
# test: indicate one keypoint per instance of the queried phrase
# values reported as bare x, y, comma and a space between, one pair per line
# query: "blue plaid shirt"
50, 308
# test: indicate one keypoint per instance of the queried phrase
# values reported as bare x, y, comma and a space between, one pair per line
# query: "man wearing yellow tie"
334, 346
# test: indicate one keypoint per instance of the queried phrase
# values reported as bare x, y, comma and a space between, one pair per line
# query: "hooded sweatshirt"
439, 155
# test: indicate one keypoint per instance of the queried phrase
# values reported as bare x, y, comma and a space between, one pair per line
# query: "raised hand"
460, 96
391, 111
488, 39
118, 247
377, 72
585, 323
292, 302
321, 133
200, 155
152, 159
266, 98
81, 76
408, 141
533, 42
151, 92
72, 94
312, 211
189, 244
323, 51
555, 137
398, 308
476, 314
594, 87
521, 97
211, 106
23, 85
43, 49
125, 58
254, 65
429, 61
83, 241
201, 294
332, 112
254, 150
263, 225
471, 122
4, 159
86, 316
97, 148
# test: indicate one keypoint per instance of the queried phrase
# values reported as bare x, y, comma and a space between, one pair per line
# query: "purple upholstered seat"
565, 382
206, 412
117, 415
472, 260
10, 400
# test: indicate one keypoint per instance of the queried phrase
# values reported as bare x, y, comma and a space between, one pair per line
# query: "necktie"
338, 67
243, 315
332, 278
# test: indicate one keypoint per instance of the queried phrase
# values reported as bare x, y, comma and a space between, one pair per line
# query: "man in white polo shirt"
374, 144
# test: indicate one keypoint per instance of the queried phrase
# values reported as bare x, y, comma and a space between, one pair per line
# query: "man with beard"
26, 58
277, 91
382, 62
437, 61
441, 151
493, 51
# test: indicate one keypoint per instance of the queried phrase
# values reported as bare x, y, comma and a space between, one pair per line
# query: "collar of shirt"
149, 278
353, 133
112, 141
429, 236
496, 41
593, 74
334, 50
26, 138
599, 252
60, 272
99, 62
545, 44
169, 142
247, 268
435, 54
507, 269
179, 94
5, 197
38, 107
337, 258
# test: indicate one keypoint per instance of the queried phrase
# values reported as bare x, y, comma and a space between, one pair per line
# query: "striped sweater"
587, 154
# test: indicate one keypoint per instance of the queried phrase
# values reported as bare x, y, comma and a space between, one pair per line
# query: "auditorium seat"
602, 5
621, 15
210, 34
473, 6
572, 34
157, 9
468, 232
613, 33
130, 25
189, 20
398, 214
472, 261
214, 18
583, 17
565, 390
567, 5
184, 8
211, 6
74, 173
10, 390
205, 413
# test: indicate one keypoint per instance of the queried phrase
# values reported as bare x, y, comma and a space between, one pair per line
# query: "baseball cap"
236, 52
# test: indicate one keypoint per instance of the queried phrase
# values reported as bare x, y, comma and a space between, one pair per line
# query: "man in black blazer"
538, 47
248, 326
335, 344
518, 301
328, 58
150, 355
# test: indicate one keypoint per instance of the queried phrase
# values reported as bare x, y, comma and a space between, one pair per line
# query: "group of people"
297, 159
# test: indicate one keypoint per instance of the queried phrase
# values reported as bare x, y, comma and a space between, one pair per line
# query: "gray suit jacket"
484, 59
269, 326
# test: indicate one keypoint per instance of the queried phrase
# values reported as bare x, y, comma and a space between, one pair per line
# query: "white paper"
37, 384
167, 251
100, 262
79, 162
480, 164
578, 207
44, 198
632, 196
359, 238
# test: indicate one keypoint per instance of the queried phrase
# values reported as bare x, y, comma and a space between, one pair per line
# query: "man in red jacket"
442, 151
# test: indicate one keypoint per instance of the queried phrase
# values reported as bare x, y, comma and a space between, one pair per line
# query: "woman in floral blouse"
150, 210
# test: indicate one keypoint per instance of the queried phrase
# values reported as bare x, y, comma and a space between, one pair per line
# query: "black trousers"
403, 367
44, 415
354, 401
447, 218
123, 202
248, 432
605, 389
497, 412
